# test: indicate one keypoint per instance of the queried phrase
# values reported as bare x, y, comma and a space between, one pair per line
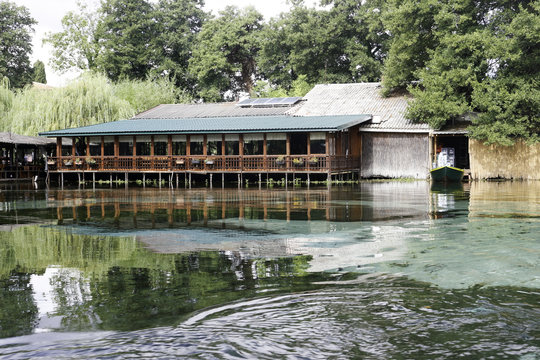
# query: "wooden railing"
215, 163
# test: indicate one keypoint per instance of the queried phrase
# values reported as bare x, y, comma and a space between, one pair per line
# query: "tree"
124, 35
15, 43
179, 21
486, 63
412, 27
75, 46
225, 52
39, 72
345, 43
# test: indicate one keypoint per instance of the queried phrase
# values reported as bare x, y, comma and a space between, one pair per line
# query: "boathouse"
257, 136
392, 146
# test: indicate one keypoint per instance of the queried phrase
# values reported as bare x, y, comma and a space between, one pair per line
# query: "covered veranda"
264, 144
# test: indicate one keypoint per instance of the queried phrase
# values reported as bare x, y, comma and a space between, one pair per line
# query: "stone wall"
520, 161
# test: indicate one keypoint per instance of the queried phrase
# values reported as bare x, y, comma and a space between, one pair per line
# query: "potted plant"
78, 162
91, 162
180, 161
195, 161
68, 162
280, 160
313, 160
209, 162
51, 162
298, 162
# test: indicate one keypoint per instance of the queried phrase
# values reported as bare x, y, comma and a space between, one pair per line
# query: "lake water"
376, 270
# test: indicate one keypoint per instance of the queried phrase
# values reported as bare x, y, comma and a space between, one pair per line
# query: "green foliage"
411, 24
75, 46
91, 99
39, 72
487, 65
15, 43
124, 34
300, 87
178, 22
224, 55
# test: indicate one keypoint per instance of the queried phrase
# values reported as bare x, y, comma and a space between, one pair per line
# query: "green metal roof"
244, 124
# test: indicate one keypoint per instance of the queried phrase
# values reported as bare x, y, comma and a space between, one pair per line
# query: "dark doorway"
299, 143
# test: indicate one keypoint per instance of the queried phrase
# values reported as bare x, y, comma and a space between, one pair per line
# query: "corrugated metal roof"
281, 123
11, 138
186, 111
361, 98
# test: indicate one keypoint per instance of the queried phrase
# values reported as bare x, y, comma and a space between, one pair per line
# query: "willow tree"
90, 99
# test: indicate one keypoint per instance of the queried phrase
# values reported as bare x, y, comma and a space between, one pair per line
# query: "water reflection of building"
356, 221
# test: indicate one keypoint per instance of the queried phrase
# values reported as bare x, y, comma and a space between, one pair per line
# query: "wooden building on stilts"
255, 137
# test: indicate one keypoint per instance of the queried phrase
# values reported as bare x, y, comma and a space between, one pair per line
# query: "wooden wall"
395, 155
520, 161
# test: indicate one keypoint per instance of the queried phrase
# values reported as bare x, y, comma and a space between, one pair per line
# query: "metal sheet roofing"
281, 123
15, 139
187, 111
361, 98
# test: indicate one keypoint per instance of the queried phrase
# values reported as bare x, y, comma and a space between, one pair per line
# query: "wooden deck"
206, 164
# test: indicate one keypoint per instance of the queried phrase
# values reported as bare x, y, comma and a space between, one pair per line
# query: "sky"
49, 13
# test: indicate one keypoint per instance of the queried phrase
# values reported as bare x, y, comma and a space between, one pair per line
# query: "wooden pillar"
152, 145
73, 147
308, 143
265, 154
223, 148
204, 145
241, 150
169, 152
134, 145
188, 154
116, 146
59, 147
288, 145
102, 151
87, 146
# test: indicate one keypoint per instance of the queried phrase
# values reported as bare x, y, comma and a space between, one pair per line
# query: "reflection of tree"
18, 311
131, 298
113, 283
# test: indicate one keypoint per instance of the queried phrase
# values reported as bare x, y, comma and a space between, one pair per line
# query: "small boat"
447, 174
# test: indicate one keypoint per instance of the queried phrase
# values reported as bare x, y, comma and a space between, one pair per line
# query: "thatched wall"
395, 155
520, 161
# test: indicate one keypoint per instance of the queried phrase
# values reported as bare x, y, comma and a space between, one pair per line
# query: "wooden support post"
177, 180
159, 180
190, 180
239, 181
59, 148
222, 180
205, 145
286, 180
110, 180
73, 147
260, 180
126, 179
79, 179
87, 146
102, 151
62, 176
143, 180
211, 180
